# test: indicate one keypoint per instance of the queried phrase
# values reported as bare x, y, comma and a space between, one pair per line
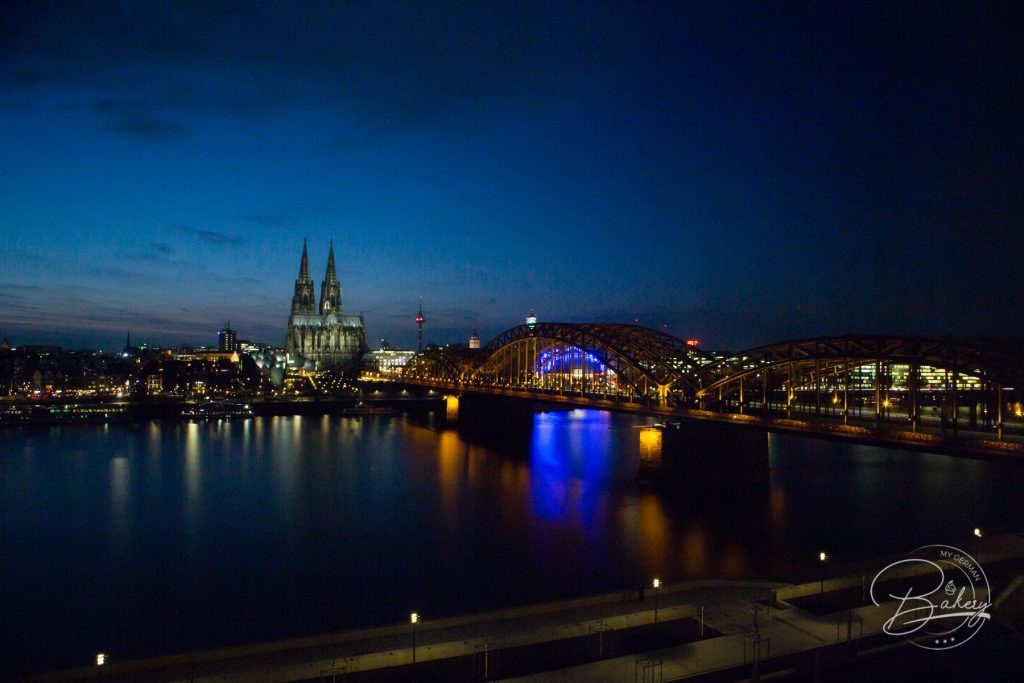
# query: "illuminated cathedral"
324, 338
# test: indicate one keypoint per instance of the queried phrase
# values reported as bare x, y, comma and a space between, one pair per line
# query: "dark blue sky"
742, 172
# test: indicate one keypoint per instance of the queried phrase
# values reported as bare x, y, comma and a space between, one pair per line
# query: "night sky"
740, 172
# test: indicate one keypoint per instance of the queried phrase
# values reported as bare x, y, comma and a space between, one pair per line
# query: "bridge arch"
827, 367
991, 360
445, 364
642, 361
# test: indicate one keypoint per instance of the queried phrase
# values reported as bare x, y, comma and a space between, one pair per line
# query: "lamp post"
414, 619
656, 585
977, 542
823, 558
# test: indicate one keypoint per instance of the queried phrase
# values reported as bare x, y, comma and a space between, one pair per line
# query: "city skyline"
741, 175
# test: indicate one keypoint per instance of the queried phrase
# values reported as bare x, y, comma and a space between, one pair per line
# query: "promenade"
744, 622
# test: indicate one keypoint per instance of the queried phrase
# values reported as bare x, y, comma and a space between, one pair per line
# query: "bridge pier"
451, 407
707, 446
651, 453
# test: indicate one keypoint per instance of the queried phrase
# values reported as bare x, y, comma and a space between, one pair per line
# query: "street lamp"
823, 558
977, 541
656, 584
414, 619
101, 659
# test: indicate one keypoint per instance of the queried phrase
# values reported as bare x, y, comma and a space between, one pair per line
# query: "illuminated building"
474, 340
324, 339
391, 361
154, 384
226, 339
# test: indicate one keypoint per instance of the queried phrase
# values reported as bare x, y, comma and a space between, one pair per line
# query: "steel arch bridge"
871, 378
829, 365
606, 359
903, 390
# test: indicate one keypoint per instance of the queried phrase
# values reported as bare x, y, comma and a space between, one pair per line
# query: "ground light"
414, 619
823, 558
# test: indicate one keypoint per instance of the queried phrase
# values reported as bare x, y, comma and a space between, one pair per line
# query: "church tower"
300, 337
330, 288
303, 299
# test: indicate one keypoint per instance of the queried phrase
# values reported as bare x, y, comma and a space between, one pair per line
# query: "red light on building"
693, 342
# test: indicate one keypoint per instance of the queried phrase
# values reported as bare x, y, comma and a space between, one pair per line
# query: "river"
167, 536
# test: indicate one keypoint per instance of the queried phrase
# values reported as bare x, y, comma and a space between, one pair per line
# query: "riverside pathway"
745, 620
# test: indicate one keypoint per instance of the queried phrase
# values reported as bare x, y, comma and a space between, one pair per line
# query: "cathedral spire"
304, 268
330, 288
332, 274
303, 300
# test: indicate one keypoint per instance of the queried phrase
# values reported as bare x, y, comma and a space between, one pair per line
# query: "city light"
101, 659
414, 618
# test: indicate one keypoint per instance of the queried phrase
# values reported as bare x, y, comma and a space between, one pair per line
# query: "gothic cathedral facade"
323, 339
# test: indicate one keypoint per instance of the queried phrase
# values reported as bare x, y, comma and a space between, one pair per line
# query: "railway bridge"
941, 393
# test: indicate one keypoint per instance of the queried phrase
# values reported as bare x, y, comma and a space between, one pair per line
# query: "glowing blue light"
547, 360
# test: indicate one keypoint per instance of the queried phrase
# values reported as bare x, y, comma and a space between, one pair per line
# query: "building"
323, 339
227, 340
474, 340
391, 361
154, 384
531, 320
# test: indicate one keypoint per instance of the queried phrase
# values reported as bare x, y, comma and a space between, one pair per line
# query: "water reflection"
695, 558
193, 469
279, 527
650, 451
452, 451
652, 533
120, 497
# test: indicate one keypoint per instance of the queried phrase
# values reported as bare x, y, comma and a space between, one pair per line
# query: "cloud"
154, 252
458, 313
146, 127
220, 239
266, 219
23, 288
239, 280
135, 118
24, 76
117, 273
385, 65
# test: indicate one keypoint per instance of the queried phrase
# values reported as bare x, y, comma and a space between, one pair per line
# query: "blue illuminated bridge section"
921, 385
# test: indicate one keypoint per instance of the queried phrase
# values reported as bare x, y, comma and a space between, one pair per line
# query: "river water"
161, 537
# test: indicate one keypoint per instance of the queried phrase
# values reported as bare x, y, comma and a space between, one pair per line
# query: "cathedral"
323, 339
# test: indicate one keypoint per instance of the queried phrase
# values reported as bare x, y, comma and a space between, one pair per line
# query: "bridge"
943, 393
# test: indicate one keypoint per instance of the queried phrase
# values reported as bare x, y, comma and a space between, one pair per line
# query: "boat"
368, 410
217, 410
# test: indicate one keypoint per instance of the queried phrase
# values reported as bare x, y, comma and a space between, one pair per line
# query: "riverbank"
21, 413
704, 630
